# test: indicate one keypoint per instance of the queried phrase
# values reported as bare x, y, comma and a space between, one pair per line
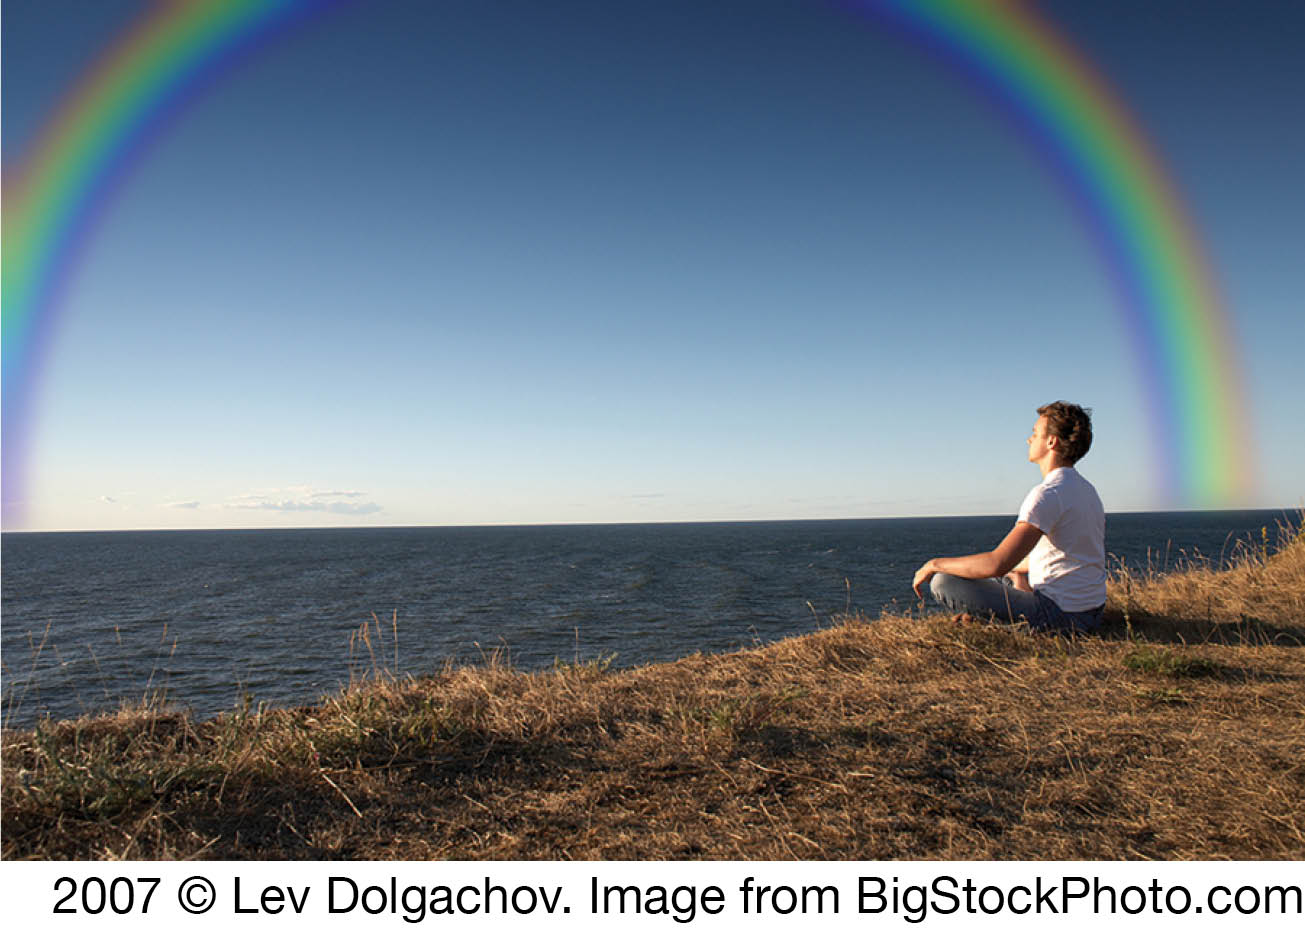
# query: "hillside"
1179, 732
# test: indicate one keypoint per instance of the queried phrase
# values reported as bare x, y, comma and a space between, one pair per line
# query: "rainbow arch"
1180, 330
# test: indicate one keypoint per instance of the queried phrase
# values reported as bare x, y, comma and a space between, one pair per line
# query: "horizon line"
1298, 510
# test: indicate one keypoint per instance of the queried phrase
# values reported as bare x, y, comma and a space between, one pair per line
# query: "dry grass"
1178, 734
1259, 600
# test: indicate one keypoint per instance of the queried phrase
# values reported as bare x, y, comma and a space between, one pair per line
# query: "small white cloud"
360, 508
105, 499
183, 505
304, 500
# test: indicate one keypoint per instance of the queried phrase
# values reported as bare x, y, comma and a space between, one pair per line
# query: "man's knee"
940, 584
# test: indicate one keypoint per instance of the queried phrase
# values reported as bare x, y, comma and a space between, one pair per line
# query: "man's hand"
926, 572
1020, 580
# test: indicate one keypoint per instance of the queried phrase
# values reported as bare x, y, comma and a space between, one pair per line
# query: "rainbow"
1166, 290
1180, 330
51, 201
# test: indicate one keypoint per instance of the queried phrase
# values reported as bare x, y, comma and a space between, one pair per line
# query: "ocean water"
217, 617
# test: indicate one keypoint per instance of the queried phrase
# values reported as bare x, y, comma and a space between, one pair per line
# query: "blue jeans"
1007, 603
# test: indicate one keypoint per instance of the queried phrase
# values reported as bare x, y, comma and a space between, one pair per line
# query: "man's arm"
1009, 554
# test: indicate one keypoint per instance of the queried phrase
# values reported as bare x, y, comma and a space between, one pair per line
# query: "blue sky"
466, 262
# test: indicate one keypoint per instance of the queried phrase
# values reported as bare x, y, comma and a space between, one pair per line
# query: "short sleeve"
1041, 508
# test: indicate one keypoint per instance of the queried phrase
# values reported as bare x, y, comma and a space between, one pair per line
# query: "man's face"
1038, 440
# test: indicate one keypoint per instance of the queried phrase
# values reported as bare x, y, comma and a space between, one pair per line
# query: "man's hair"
1072, 425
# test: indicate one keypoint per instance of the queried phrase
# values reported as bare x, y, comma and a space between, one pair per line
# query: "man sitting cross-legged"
1050, 570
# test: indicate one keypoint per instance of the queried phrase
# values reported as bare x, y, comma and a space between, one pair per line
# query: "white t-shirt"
1068, 564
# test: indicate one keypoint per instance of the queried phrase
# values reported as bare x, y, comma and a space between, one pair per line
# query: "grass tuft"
1160, 661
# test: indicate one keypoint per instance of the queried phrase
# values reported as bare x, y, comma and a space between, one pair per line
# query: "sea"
215, 620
